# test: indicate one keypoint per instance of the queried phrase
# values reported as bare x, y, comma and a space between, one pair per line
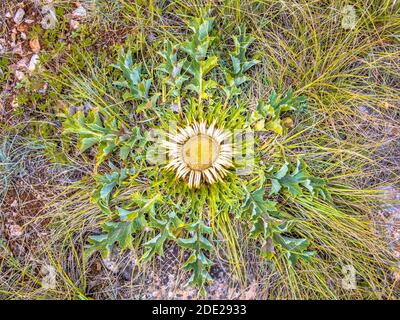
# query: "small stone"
15, 103
49, 20
73, 24
19, 75
174, 107
33, 63
13, 36
8, 15
49, 279
79, 12
23, 35
19, 16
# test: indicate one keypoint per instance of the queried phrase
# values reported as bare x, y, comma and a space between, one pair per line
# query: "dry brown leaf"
23, 27
34, 44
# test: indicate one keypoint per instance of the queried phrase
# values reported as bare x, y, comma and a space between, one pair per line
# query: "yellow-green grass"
351, 80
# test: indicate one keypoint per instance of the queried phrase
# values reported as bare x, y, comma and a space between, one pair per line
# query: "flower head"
199, 153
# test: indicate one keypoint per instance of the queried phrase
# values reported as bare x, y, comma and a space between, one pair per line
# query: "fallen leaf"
23, 27
34, 44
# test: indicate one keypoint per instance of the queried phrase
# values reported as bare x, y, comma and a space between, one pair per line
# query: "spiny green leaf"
115, 232
197, 263
92, 130
235, 76
127, 215
256, 205
188, 243
166, 230
106, 184
208, 64
147, 205
139, 89
296, 179
272, 110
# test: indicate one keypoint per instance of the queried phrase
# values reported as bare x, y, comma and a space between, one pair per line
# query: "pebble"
33, 63
74, 24
174, 107
79, 12
19, 16
49, 20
